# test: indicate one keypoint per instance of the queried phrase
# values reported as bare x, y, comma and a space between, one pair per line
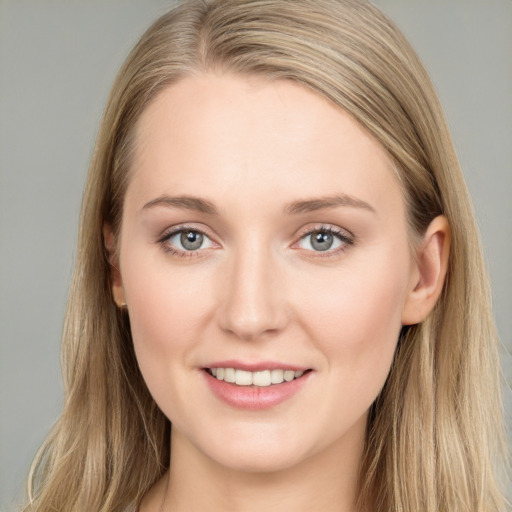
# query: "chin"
259, 460
259, 452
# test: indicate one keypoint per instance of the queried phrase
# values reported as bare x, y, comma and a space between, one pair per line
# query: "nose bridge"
252, 305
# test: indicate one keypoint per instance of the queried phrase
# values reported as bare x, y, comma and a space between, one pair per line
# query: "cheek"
354, 318
167, 309
167, 318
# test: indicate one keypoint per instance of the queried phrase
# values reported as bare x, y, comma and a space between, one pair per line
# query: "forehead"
215, 134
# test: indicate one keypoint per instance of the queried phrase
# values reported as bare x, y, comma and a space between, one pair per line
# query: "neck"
324, 481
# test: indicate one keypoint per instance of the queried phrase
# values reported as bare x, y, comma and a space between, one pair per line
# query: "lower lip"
254, 398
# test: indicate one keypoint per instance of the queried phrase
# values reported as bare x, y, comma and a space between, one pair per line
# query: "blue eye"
322, 240
188, 240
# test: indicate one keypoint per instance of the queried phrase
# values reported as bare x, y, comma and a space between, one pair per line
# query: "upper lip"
256, 366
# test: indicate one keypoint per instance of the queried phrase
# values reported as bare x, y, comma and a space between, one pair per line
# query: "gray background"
57, 61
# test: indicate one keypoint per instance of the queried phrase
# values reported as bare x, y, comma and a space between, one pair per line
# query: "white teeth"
229, 375
289, 375
261, 378
277, 376
243, 378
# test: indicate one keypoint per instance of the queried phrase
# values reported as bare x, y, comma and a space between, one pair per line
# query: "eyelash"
164, 239
346, 239
343, 236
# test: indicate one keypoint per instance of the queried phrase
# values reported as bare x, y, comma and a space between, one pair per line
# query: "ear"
115, 275
430, 272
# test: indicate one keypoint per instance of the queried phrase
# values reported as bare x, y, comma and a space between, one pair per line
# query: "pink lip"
255, 367
253, 398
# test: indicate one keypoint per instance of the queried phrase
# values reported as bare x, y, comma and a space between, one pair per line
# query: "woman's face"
264, 235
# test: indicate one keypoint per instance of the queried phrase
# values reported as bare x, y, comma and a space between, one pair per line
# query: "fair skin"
297, 254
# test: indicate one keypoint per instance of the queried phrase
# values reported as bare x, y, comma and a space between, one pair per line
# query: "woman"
278, 257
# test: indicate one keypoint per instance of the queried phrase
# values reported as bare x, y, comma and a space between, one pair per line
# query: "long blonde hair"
435, 436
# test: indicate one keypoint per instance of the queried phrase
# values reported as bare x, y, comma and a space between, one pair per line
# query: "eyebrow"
187, 202
311, 205
294, 208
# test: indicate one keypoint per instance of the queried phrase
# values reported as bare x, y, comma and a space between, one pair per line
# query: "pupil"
191, 240
322, 241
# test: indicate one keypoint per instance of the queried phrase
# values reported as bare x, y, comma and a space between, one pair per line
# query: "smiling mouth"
263, 378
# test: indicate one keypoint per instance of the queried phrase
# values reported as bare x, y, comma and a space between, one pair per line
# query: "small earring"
122, 305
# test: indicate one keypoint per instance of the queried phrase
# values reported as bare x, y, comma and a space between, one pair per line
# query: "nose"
253, 301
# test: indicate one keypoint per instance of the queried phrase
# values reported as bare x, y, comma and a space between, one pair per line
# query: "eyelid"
346, 237
169, 232
331, 228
